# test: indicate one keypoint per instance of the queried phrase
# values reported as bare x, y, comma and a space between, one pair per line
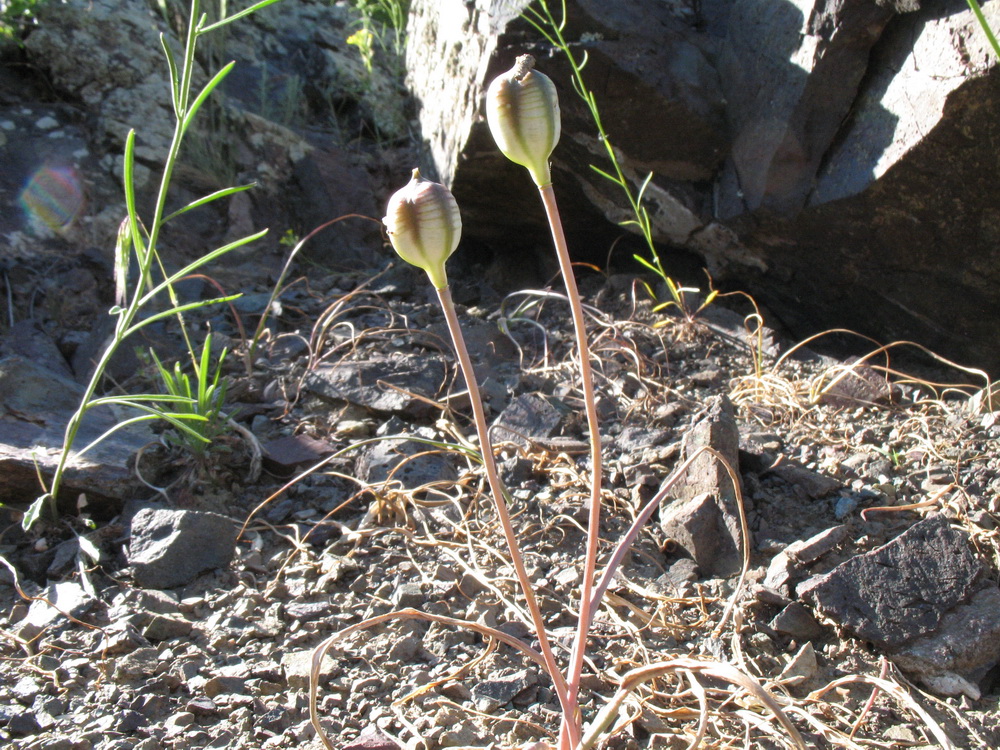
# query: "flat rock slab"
35, 407
527, 417
401, 385
704, 517
923, 600
170, 548
901, 590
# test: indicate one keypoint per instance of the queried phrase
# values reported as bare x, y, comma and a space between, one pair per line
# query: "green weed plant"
681, 298
180, 405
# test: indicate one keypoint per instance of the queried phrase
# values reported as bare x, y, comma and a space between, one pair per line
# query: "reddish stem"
568, 703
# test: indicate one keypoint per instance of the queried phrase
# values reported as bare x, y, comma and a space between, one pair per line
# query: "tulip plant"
424, 227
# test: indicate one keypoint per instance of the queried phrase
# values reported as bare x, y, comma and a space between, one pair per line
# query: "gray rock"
59, 600
921, 598
382, 385
39, 403
527, 416
170, 548
405, 462
900, 590
704, 518
490, 694
797, 621
966, 644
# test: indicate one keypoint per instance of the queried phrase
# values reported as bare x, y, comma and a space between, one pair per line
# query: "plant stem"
590, 404
569, 706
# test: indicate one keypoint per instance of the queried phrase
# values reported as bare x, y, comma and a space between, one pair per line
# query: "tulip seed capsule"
522, 110
424, 226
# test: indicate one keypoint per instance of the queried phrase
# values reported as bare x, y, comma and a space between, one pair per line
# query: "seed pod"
424, 226
522, 109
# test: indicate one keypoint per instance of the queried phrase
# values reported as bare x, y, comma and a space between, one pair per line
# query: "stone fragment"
136, 665
222, 684
491, 694
527, 416
285, 455
405, 462
966, 645
296, 665
165, 627
37, 404
921, 598
704, 518
372, 738
401, 385
814, 484
798, 622
58, 600
170, 548
802, 667
900, 590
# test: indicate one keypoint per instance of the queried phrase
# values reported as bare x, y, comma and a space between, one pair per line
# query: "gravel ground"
386, 522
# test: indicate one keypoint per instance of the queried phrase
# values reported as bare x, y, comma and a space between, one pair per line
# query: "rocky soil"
177, 599
187, 617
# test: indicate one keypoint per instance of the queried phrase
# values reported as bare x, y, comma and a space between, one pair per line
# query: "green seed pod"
522, 109
424, 226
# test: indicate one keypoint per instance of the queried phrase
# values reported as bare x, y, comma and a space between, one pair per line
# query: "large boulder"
824, 156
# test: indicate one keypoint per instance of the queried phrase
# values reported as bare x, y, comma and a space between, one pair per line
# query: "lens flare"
53, 198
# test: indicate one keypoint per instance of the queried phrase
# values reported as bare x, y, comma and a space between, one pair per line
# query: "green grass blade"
179, 309
209, 198
175, 81
128, 178
229, 19
204, 94
607, 176
199, 262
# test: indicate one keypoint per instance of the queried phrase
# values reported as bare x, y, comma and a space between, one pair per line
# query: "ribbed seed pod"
424, 226
522, 109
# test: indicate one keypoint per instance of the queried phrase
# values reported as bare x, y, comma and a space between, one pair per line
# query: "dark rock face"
834, 159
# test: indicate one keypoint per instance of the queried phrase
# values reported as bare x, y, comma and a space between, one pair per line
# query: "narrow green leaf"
646, 263
178, 309
128, 178
229, 19
607, 176
642, 190
209, 198
200, 99
199, 262
175, 81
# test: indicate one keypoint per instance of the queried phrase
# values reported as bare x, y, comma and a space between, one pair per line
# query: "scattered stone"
296, 666
814, 484
222, 684
797, 621
921, 574
704, 518
382, 385
408, 595
409, 463
142, 662
170, 548
165, 627
372, 738
802, 667
286, 455
37, 404
526, 417
59, 599
491, 694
